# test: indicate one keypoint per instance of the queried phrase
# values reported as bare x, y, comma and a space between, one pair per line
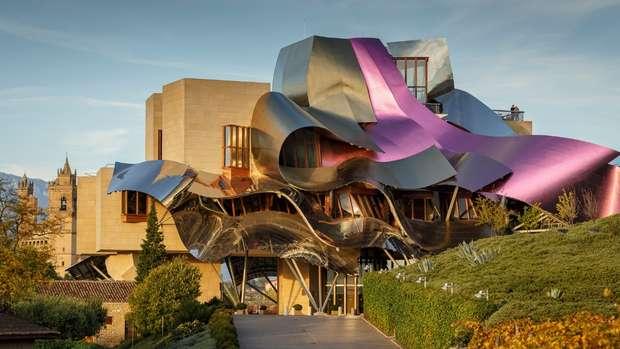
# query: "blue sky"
74, 74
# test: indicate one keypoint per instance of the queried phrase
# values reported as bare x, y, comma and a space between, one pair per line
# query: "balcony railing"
434, 107
510, 115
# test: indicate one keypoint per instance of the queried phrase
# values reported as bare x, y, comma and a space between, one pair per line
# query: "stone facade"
178, 121
62, 196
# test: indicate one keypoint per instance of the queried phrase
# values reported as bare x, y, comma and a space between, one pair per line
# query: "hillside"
582, 263
40, 187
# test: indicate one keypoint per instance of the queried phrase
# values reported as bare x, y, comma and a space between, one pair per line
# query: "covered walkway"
301, 332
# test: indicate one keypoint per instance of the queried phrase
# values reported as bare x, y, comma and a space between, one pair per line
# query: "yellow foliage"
580, 330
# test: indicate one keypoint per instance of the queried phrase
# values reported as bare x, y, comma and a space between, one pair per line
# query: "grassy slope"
581, 262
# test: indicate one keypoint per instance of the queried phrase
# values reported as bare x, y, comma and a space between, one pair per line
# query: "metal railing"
434, 107
510, 115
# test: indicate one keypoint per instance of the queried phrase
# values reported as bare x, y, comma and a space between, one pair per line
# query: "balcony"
509, 115
434, 107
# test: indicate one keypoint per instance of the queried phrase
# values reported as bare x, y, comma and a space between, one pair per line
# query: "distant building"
62, 196
113, 294
17, 333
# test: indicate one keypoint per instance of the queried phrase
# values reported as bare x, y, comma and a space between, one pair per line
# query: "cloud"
80, 100
100, 142
80, 43
94, 102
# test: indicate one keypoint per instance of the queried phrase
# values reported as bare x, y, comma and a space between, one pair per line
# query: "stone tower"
25, 192
62, 195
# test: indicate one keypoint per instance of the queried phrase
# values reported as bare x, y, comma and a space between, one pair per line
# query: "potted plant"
261, 309
241, 307
298, 308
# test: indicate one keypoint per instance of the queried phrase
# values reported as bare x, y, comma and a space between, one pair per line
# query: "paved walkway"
301, 332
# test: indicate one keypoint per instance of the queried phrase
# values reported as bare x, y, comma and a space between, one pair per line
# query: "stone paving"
301, 332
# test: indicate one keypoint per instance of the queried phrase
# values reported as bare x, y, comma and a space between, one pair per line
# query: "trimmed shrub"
162, 296
223, 330
74, 319
419, 317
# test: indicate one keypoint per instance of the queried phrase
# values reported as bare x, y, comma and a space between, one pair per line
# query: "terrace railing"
510, 114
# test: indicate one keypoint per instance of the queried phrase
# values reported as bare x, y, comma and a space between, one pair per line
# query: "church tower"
62, 195
25, 192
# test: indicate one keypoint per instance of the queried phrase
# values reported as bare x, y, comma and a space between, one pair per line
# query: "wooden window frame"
129, 217
240, 143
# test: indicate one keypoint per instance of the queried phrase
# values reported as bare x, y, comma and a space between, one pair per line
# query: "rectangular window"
236, 146
415, 72
160, 137
135, 206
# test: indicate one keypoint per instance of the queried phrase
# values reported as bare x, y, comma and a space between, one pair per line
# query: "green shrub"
194, 310
419, 317
64, 344
161, 297
223, 330
74, 319
187, 329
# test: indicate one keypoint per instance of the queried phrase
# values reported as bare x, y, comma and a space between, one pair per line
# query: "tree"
589, 204
20, 272
530, 218
153, 251
20, 221
22, 266
158, 301
74, 319
492, 213
566, 206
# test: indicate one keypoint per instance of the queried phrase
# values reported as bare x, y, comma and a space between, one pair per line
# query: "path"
301, 332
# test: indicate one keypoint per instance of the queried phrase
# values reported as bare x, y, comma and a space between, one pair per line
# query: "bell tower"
25, 192
62, 195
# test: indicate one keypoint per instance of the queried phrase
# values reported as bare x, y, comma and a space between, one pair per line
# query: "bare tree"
567, 206
589, 204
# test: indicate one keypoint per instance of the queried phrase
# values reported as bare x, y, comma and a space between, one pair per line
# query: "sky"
74, 75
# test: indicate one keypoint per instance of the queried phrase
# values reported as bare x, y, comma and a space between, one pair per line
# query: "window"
464, 209
236, 146
63, 203
108, 320
160, 138
134, 206
301, 150
415, 72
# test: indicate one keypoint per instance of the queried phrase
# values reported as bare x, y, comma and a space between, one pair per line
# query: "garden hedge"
420, 317
222, 329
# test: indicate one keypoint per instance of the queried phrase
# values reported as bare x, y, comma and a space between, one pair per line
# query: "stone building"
110, 227
114, 296
62, 196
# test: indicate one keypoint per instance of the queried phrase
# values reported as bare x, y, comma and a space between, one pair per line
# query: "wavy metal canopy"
375, 136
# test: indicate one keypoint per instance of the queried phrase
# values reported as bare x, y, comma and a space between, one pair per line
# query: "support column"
320, 279
355, 296
344, 302
244, 278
